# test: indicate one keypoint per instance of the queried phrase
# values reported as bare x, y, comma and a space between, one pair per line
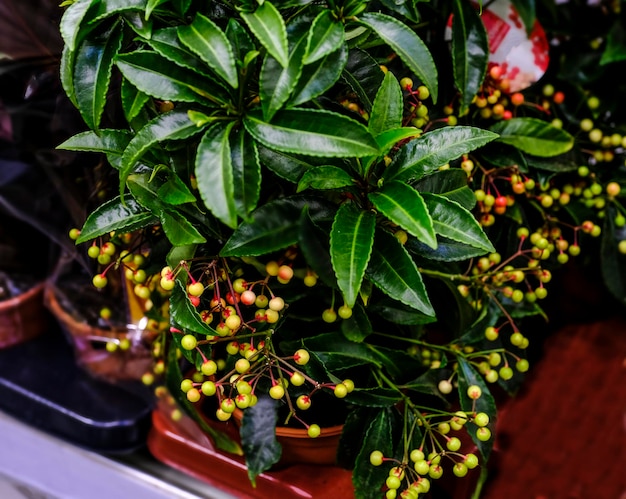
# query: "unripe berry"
188, 342
376, 458
285, 273
314, 431
303, 402
474, 392
248, 297
208, 368
93, 251
301, 357
297, 379
506, 373
208, 388
483, 434
445, 386
99, 281
196, 289
453, 444
186, 385
329, 315
193, 395
613, 189
340, 390
277, 392
344, 312
522, 365
406, 83
276, 304
222, 415
242, 365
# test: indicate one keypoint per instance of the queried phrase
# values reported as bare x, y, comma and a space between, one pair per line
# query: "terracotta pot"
23, 317
89, 345
299, 448
185, 447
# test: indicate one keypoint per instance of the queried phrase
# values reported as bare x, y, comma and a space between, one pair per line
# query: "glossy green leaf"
258, 437
178, 229
71, 22
357, 327
92, 75
611, 259
317, 78
315, 246
204, 38
534, 136
398, 313
274, 226
453, 221
393, 271
470, 51
351, 240
108, 8
387, 140
107, 141
267, 24
468, 376
450, 183
325, 177
126, 216
137, 21
388, 107
447, 250
239, 39
368, 480
343, 350
313, 132
156, 76
615, 49
288, 166
66, 73
175, 192
374, 397
364, 76
214, 173
166, 43
355, 426
409, 47
185, 314
278, 81
326, 36
404, 206
246, 172
151, 5
174, 125
133, 100
428, 152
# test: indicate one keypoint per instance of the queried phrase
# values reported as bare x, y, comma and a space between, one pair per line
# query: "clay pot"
89, 344
23, 317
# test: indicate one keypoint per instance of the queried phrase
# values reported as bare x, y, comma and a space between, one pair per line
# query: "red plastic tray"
183, 446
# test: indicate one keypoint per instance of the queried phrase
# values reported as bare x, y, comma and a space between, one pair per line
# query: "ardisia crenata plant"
349, 208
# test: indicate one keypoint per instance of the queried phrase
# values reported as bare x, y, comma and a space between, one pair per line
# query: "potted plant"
357, 204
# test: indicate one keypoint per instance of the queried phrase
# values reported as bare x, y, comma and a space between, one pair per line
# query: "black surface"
41, 385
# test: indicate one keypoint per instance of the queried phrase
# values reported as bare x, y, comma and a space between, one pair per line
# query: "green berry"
301, 357
483, 434
522, 365
188, 342
277, 392
474, 392
314, 431
460, 470
376, 458
99, 281
481, 419
453, 444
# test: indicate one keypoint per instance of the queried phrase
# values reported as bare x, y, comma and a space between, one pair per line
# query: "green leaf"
179, 231
393, 271
156, 76
92, 75
185, 314
470, 51
357, 327
368, 480
214, 173
174, 125
123, 214
246, 172
526, 10
342, 350
175, 192
387, 140
450, 183
364, 76
166, 43
320, 76
325, 177
326, 36
351, 240
137, 21
404, 206
239, 39
312, 132
268, 26
315, 245
374, 397
534, 136
611, 259
107, 8
453, 221
66, 73
108, 141
278, 81
258, 437
615, 49
428, 152
409, 47
388, 107
151, 5
71, 22
133, 100
273, 226
287, 166
204, 38
447, 250
485, 403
